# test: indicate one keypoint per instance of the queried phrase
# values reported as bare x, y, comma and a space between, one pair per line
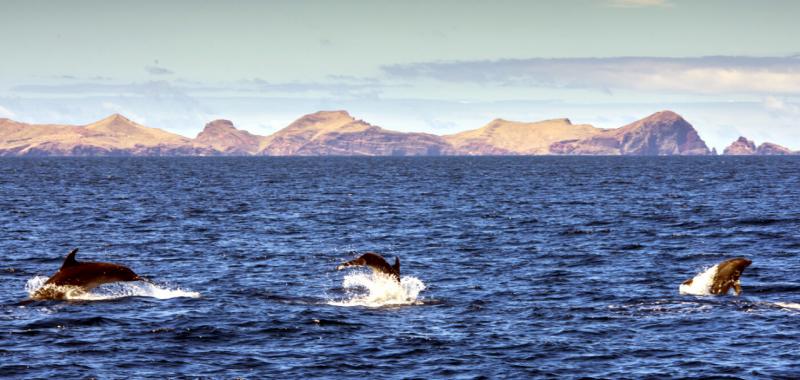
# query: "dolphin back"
376, 262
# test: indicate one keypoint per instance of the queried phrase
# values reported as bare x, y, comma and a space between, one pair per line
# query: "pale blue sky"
730, 67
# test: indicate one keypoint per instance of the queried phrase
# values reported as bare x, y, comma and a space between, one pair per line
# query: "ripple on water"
527, 267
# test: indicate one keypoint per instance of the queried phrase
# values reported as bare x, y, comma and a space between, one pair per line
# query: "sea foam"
701, 284
376, 290
110, 291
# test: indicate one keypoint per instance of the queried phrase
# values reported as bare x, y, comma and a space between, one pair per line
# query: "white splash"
788, 305
376, 290
109, 291
701, 284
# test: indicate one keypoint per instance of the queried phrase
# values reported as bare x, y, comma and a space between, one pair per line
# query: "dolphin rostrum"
377, 263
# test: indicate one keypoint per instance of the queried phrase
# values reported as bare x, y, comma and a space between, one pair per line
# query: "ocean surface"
513, 267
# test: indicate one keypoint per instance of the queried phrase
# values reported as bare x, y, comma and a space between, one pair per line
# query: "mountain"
740, 147
223, 137
744, 147
329, 133
770, 149
503, 137
660, 134
336, 133
112, 136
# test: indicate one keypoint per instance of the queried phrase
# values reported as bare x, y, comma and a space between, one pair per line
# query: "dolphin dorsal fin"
70, 260
396, 265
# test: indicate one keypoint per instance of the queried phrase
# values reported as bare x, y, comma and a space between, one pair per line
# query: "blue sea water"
512, 267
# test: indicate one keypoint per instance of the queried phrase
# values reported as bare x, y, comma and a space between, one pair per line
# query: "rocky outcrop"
770, 149
221, 136
336, 133
113, 136
503, 137
740, 147
661, 134
744, 147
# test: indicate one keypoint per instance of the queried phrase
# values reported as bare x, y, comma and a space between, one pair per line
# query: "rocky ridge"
660, 134
503, 137
221, 136
744, 147
336, 133
328, 133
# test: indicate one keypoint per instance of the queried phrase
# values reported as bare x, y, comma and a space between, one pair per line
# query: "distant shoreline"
337, 133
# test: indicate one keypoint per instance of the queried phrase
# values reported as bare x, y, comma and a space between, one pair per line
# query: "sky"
729, 67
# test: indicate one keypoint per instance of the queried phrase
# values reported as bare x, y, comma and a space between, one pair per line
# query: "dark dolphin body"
84, 276
728, 273
377, 263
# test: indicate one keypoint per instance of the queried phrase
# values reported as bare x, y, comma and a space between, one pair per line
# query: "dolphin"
83, 276
727, 276
377, 263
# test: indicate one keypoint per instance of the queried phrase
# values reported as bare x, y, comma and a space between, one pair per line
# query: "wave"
787, 305
106, 292
700, 285
377, 290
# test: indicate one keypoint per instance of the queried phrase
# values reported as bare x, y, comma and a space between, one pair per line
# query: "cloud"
157, 70
693, 75
7, 113
638, 3
150, 88
781, 107
338, 87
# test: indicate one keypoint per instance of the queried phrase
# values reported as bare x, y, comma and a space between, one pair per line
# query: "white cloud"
776, 104
781, 107
695, 75
5, 112
158, 70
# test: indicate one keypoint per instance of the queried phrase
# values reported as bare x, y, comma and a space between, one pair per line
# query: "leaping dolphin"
377, 263
727, 276
84, 276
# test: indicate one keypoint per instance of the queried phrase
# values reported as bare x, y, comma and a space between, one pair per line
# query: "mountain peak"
660, 134
665, 116
741, 147
744, 147
330, 115
223, 136
219, 124
115, 122
772, 149
333, 112
114, 118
